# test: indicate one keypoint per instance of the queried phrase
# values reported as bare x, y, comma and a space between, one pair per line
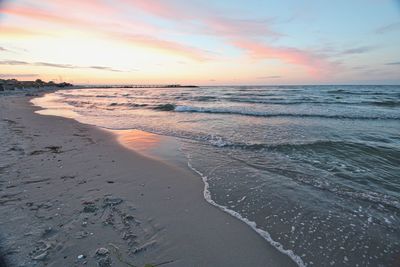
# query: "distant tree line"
13, 84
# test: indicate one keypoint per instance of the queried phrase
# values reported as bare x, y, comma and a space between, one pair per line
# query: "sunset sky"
201, 42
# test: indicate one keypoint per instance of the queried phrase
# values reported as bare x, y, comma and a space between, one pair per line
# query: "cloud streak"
388, 28
104, 68
393, 63
18, 75
358, 50
269, 77
13, 62
55, 65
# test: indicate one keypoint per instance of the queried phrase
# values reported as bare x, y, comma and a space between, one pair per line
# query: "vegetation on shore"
13, 84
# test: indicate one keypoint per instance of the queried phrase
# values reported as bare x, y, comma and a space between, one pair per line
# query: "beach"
72, 195
199, 133
312, 169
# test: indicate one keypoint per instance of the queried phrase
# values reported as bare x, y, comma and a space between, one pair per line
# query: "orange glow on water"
52, 107
139, 141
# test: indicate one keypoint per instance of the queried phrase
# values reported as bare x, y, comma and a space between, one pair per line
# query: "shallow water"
315, 168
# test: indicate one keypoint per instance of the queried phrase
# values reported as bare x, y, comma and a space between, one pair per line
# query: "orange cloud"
36, 14
163, 45
12, 31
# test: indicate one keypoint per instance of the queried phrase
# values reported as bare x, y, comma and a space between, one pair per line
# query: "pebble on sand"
102, 251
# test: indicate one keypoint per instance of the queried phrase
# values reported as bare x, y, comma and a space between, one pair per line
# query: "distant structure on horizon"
143, 86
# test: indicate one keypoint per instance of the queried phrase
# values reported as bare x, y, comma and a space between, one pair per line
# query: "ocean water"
315, 170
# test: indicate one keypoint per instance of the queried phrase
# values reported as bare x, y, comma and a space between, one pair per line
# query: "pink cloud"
163, 45
314, 63
36, 14
239, 27
212, 22
248, 35
161, 8
129, 33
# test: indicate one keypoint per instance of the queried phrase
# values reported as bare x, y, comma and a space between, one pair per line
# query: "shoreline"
162, 148
149, 144
202, 236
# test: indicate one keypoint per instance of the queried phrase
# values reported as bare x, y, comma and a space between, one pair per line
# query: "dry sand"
68, 189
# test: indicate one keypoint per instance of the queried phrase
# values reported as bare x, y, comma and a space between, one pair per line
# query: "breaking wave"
270, 114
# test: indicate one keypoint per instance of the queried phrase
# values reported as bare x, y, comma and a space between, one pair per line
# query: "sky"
201, 42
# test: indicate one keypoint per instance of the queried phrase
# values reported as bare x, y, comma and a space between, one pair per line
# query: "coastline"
60, 169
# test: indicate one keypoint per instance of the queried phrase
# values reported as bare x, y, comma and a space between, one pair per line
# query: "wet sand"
72, 195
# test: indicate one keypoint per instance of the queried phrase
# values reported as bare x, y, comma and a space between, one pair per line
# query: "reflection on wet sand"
139, 141
52, 105
158, 147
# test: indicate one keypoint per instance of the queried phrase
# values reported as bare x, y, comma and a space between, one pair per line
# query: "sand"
72, 195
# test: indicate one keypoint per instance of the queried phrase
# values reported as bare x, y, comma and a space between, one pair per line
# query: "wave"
293, 102
385, 103
271, 101
134, 105
383, 151
77, 103
205, 98
68, 95
106, 96
264, 234
284, 101
268, 114
165, 107
348, 92
339, 150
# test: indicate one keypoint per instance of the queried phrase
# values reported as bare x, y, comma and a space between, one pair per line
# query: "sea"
315, 170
